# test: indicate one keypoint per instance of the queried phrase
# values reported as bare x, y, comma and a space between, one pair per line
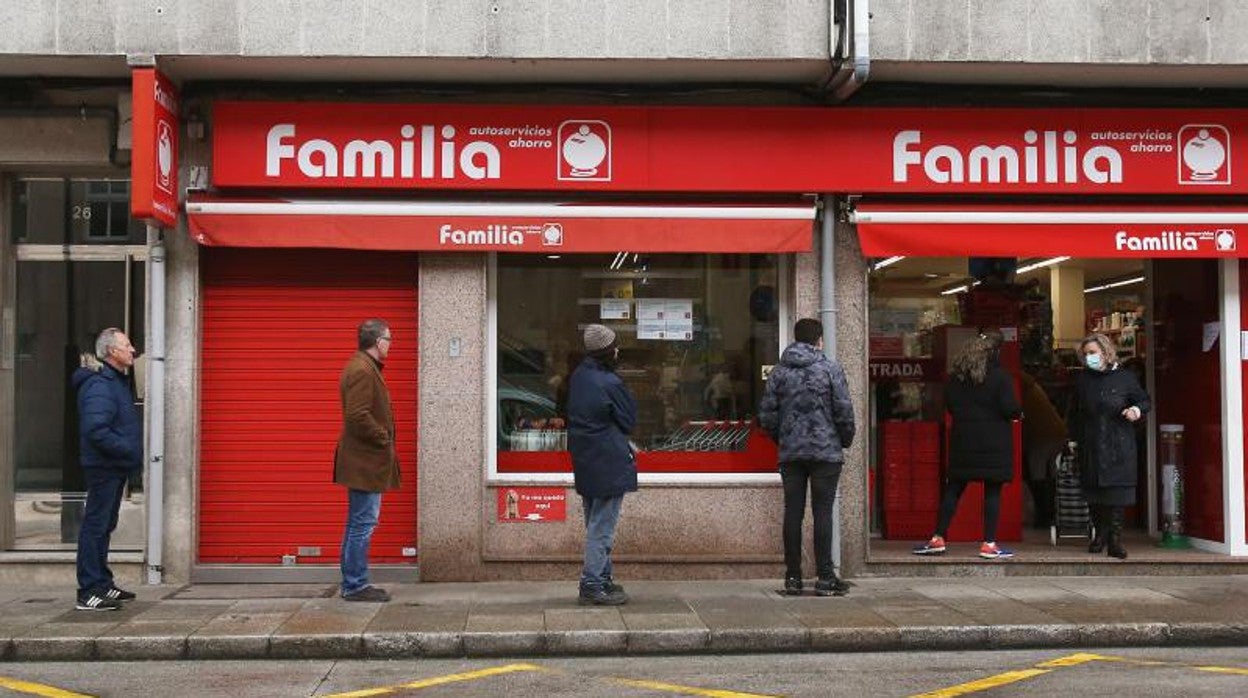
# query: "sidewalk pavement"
292, 621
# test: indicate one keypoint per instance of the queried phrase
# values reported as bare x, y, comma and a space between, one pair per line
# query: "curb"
689, 641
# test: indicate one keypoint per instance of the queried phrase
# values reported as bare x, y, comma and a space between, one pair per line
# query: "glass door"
65, 294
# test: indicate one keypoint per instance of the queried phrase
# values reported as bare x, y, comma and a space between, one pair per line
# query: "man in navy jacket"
601, 415
111, 441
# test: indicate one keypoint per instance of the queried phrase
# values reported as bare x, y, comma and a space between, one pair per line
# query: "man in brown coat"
366, 461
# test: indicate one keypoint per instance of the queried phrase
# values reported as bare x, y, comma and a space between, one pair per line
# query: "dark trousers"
99, 520
823, 478
949, 505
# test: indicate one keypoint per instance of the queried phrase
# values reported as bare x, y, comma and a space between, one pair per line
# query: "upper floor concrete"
1185, 43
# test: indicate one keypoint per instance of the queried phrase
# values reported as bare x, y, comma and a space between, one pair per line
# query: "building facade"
257, 309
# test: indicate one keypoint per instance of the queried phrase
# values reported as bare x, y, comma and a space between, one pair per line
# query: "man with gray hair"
111, 445
366, 461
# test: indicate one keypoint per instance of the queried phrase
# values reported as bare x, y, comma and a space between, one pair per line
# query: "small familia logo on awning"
1221, 240
500, 235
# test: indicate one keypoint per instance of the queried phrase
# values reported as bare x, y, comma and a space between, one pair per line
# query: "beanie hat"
598, 337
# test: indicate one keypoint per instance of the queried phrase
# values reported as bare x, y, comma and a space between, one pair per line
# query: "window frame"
494, 477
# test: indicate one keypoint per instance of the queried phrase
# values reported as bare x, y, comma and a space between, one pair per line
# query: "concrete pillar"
1066, 287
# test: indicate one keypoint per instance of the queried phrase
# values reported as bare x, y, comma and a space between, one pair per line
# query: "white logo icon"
164, 156
585, 151
552, 235
1205, 157
1225, 240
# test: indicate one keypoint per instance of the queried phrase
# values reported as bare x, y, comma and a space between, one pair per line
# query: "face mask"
1093, 361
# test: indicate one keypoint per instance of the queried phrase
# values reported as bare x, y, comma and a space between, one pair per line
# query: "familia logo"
500, 235
1053, 157
1222, 240
437, 152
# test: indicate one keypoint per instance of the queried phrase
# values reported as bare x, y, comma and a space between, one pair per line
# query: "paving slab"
323, 628
411, 630
912, 609
236, 634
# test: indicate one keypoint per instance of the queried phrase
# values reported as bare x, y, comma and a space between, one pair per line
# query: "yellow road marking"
1071, 660
1222, 670
962, 689
37, 689
688, 690
440, 680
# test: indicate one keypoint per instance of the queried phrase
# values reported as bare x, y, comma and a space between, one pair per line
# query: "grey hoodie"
806, 406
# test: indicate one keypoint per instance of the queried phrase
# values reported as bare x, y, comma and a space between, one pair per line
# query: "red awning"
548, 228
1001, 230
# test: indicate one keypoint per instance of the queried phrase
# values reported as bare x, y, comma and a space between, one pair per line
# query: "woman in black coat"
1107, 402
980, 397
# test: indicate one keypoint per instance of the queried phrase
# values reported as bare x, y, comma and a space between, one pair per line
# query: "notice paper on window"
667, 319
611, 309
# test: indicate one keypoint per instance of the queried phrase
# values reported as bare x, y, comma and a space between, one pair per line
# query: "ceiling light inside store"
885, 262
1114, 284
1041, 264
554, 256
958, 289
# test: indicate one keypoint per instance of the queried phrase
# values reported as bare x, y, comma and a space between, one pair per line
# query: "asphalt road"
1139, 673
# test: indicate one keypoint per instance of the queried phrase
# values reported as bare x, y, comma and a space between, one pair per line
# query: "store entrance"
1160, 315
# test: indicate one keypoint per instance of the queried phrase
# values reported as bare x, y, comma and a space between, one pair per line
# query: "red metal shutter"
278, 325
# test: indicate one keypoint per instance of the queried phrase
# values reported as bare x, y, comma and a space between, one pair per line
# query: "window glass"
39, 211
694, 331
99, 213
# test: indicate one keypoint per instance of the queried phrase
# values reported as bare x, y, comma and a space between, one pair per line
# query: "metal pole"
155, 408
827, 316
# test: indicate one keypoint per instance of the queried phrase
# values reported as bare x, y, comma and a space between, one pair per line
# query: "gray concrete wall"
1076, 43
1146, 32
704, 29
182, 335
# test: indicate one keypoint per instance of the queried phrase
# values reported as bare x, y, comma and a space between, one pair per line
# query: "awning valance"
548, 228
887, 229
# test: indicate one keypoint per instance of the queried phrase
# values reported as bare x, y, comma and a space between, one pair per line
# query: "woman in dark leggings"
980, 396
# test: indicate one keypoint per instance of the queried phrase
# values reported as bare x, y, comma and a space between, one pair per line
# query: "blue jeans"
601, 516
99, 520
363, 508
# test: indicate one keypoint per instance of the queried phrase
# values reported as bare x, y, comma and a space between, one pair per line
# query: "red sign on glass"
310, 145
154, 164
532, 504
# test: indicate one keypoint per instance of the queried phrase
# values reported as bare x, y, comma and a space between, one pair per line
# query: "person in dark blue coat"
111, 445
807, 409
601, 415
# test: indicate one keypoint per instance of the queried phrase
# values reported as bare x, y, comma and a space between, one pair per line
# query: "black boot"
1115, 534
1099, 524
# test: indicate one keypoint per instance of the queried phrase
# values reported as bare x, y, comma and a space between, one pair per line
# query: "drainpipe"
853, 66
155, 407
827, 316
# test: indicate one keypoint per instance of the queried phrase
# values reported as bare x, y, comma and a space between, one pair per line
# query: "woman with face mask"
1106, 404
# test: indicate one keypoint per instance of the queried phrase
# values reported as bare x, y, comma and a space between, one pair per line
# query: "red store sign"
311, 145
532, 504
154, 163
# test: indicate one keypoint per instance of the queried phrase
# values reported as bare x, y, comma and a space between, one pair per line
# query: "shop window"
695, 333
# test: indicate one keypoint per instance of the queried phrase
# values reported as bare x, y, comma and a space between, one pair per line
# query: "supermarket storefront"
491, 234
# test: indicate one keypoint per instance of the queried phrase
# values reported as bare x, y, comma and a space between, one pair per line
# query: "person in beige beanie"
601, 416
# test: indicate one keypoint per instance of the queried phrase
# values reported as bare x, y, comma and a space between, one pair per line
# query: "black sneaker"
832, 586
118, 594
97, 602
369, 594
602, 597
610, 585
793, 586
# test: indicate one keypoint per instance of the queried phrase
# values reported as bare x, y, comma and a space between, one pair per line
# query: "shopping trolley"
1070, 509
716, 435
